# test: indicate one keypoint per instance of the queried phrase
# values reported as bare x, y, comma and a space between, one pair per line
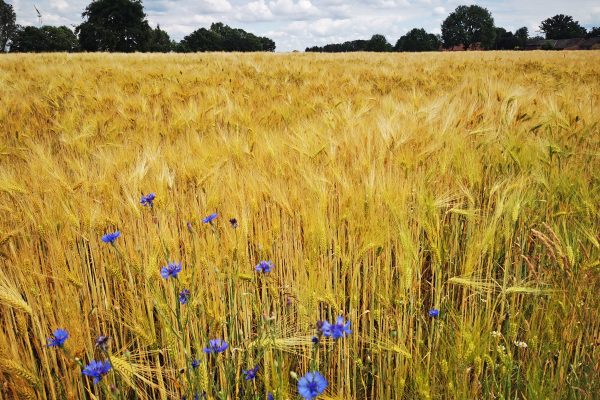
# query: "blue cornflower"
97, 369
338, 330
184, 296
195, 363
311, 385
111, 237
58, 338
148, 200
250, 373
434, 313
216, 346
264, 267
270, 396
210, 218
171, 270
315, 340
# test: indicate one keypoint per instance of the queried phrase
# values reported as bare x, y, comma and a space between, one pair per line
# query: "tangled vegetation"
353, 226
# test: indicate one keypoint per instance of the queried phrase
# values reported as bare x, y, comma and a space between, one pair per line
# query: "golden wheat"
381, 186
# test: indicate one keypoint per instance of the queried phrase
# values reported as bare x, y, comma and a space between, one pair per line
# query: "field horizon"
445, 204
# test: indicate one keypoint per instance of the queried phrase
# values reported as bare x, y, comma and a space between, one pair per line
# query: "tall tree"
114, 25
418, 40
378, 43
505, 40
200, 40
266, 43
44, 39
522, 34
159, 41
594, 32
468, 25
562, 27
8, 25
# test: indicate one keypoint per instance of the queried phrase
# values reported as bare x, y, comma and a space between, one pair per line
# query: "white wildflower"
521, 345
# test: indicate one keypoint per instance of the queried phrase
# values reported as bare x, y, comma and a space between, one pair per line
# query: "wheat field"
381, 187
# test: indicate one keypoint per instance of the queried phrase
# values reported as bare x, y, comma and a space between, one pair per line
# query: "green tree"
594, 32
27, 39
378, 43
114, 25
468, 25
221, 37
44, 39
8, 25
349, 46
505, 40
266, 44
159, 41
562, 27
522, 34
200, 40
61, 38
418, 40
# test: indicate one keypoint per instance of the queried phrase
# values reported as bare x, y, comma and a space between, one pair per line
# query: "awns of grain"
381, 187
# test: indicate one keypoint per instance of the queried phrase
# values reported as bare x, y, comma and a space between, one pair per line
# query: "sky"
297, 24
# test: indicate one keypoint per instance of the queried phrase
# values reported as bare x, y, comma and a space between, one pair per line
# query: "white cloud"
593, 17
255, 11
295, 9
328, 27
201, 19
215, 6
59, 4
340, 11
53, 19
277, 34
439, 11
332, 2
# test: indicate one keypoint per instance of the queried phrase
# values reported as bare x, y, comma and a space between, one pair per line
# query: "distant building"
564, 44
474, 47
568, 44
540, 44
591, 44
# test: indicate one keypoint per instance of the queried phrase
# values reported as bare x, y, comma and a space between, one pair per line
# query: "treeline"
377, 43
468, 27
120, 26
415, 40
221, 37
